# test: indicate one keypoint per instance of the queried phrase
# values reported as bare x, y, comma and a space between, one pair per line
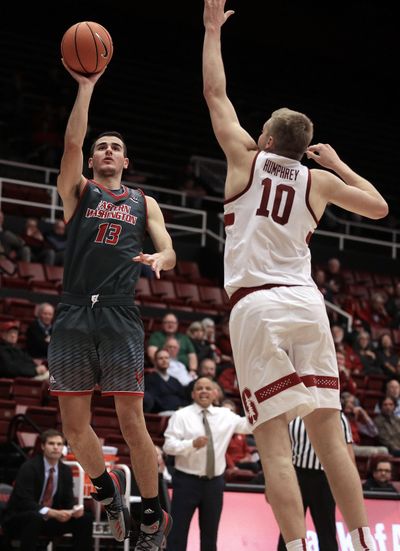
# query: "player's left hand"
154, 260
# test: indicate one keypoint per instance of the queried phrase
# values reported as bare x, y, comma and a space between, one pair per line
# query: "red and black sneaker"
117, 512
154, 537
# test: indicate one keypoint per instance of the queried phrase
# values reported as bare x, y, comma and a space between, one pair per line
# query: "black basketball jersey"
105, 232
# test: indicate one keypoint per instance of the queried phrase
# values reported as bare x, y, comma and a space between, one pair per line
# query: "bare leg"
282, 489
143, 453
326, 435
75, 415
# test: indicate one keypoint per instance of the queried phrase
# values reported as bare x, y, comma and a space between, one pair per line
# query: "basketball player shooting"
98, 336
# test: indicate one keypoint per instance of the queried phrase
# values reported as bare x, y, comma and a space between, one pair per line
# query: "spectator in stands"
386, 356
352, 360
380, 477
11, 244
34, 238
346, 382
176, 368
388, 426
167, 392
219, 394
393, 391
377, 315
392, 306
198, 437
228, 380
224, 346
320, 280
57, 239
209, 329
187, 353
367, 355
203, 348
38, 332
239, 454
15, 362
42, 500
361, 425
335, 280
359, 326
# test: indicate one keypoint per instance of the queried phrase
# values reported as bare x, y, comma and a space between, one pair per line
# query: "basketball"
86, 47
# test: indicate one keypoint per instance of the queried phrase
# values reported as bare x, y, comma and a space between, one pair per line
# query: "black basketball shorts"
102, 345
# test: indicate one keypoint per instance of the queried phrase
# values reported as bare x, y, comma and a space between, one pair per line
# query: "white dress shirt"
178, 370
186, 424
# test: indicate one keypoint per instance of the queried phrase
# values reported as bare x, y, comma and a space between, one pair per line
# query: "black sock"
104, 485
151, 510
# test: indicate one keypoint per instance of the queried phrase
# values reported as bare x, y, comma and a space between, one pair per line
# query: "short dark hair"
109, 133
49, 433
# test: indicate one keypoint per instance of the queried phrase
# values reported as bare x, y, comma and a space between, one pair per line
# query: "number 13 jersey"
105, 232
268, 226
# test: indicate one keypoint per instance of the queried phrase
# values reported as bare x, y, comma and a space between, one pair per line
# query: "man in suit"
167, 392
42, 501
38, 332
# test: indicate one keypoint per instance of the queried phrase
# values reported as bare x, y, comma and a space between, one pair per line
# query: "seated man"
42, 501
380, 478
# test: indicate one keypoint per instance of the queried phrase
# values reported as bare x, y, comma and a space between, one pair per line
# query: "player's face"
108, 156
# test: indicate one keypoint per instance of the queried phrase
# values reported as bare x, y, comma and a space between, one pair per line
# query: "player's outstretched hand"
323, 154
154, 260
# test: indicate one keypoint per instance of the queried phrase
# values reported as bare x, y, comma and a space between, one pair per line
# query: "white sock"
296, 545
362, 539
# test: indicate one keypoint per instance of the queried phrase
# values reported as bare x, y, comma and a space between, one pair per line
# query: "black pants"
29, 525
317, 497
190, 493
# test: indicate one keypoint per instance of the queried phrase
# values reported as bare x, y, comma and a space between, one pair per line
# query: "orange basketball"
86, 47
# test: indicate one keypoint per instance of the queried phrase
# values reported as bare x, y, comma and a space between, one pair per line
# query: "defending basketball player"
281, 340
98, 336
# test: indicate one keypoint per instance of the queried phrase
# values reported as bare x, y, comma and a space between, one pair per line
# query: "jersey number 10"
284, 193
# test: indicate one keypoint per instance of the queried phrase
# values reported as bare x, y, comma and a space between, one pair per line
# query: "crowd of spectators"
179, 352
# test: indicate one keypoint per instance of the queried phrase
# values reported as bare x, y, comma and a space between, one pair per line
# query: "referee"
313, 483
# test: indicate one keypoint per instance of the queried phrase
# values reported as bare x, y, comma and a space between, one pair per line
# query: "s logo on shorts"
249, 406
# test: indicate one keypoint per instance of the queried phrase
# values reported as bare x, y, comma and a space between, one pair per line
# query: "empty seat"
44, 417
33, 272
28, 391
156, 425
188, 292
105, 422
6, 388
19, 308
7, 412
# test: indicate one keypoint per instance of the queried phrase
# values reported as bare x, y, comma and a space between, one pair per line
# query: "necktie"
47, 499
210, 463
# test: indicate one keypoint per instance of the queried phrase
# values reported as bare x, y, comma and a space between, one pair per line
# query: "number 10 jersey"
268, 226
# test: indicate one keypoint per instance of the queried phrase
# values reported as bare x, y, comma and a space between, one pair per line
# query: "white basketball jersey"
268, 226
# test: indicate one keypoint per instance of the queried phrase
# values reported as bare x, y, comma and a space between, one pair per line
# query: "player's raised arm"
233, 139
350, 191
70, 177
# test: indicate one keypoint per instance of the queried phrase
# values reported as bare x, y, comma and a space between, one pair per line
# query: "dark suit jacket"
29, 485
168, 395
36, 344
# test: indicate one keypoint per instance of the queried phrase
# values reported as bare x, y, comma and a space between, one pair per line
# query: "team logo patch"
249, 406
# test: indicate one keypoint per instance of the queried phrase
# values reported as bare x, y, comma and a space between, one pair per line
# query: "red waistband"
244, 291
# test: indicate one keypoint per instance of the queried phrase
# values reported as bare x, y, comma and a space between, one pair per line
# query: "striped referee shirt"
304, 455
